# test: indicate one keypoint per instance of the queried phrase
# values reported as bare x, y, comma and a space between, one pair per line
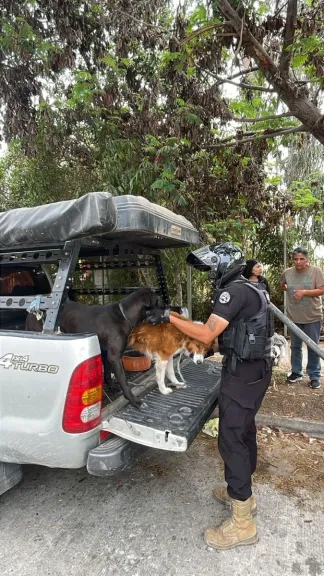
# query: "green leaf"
245, 160
128, 62
110, 61
168, 57
193, 118
191, 71
198, 16
298, 60
158, 185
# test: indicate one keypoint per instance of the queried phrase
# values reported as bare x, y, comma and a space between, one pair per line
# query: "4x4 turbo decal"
22, 363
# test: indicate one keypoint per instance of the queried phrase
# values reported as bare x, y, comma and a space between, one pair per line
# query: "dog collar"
124, 315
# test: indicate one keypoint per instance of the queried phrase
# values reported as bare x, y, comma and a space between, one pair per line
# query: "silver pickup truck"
52, 411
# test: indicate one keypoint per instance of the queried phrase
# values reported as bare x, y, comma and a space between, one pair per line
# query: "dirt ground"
293, 400
292, 463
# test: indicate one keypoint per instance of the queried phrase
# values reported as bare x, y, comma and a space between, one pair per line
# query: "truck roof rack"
127, 231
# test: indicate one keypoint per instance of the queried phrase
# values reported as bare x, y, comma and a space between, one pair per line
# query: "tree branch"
257, 136
141, 22
263, 118
244, 85
204, 29
247, 71
231, 15
290, 28
240, 40
244, 119
239, 85
286, 88
280, 10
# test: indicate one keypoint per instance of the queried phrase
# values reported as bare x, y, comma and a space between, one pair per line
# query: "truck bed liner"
170, 422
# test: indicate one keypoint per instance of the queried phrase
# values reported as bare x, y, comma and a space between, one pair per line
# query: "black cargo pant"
241, 395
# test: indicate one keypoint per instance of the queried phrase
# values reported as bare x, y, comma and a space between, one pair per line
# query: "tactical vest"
249, 339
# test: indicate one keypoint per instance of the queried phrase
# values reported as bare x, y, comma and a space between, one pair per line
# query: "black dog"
112, 323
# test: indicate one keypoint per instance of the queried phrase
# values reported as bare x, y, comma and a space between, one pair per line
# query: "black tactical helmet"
224, 262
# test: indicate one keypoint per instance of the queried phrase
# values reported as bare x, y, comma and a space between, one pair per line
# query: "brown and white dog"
162, 342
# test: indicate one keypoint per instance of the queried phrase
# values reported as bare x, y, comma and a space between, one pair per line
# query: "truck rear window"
23, 281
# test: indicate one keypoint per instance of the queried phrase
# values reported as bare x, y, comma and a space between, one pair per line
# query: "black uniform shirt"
236, 301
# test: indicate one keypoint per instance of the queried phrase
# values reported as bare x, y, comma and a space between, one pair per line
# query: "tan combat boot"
221, 494
238, 530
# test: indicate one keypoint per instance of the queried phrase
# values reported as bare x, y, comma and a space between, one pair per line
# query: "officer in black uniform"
241, 319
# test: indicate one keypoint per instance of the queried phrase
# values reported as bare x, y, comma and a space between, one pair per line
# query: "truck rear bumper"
112, 456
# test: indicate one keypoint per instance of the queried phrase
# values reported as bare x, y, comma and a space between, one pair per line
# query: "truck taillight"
82, 410
103, 435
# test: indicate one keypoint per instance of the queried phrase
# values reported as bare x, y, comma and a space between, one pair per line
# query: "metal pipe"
310, 343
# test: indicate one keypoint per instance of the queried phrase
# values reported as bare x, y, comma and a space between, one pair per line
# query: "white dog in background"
279, 349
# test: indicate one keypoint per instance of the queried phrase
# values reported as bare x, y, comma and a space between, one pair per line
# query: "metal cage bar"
162, 280
62, 284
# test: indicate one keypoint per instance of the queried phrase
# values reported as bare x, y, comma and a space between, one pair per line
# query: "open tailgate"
170, 422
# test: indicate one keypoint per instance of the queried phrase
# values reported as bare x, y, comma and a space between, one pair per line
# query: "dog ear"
152, 300
148, 298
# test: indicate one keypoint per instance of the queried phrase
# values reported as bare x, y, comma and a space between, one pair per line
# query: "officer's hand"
158, 316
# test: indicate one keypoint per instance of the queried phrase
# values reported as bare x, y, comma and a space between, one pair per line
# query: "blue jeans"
313, 330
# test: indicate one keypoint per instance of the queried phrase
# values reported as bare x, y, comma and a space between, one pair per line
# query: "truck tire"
10, 475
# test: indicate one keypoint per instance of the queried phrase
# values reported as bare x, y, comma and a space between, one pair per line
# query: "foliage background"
213, 109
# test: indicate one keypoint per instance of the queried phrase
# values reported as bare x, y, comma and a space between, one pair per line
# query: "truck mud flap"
10, 475
171, 422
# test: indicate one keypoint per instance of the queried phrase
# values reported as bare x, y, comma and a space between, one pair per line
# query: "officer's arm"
205, 333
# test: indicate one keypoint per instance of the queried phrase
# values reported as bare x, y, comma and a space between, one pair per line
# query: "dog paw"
133, 400
166, 391
136, 403
178, 384
181, 385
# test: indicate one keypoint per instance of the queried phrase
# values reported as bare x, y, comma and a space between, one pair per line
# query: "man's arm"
282, 282
319, 286
316, 292
298, 294
205, 333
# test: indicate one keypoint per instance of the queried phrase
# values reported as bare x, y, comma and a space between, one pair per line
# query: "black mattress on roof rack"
55, 223
93, 217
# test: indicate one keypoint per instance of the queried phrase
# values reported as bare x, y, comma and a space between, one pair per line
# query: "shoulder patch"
224, 297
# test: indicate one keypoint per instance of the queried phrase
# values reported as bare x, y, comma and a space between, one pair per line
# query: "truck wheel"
10, 475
